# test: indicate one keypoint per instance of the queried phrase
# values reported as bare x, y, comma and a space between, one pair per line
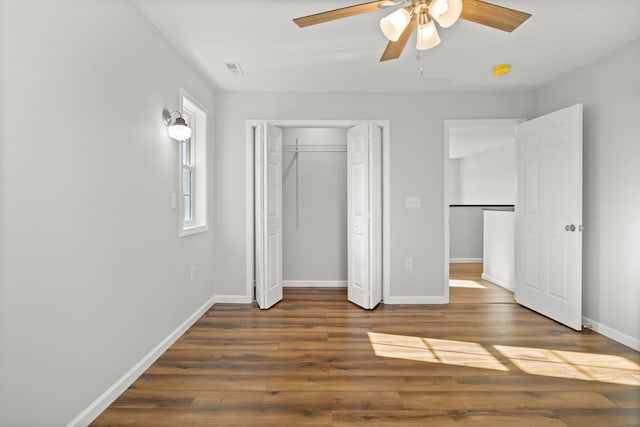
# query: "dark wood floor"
315, 359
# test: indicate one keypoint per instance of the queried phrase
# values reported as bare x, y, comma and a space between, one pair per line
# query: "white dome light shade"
179, 130
427, 36
446, 12
394, 24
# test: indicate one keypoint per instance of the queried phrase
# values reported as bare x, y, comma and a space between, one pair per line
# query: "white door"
268, 214
549, 216
364, 271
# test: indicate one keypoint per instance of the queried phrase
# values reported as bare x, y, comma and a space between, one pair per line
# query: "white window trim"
199, 117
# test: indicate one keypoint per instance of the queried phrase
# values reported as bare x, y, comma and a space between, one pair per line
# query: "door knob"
570, 227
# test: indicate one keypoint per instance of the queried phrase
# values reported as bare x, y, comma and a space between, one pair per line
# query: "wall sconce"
178, 130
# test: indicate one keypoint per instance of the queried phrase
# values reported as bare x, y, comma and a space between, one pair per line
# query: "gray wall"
317, 249
465, 233
416, 170
92, 273
610, 92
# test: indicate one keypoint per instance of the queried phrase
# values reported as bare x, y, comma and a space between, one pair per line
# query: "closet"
314, 207
317, 209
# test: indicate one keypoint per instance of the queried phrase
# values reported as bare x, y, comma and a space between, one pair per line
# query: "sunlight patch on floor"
448, 352
573, 365
456, 283
533, 361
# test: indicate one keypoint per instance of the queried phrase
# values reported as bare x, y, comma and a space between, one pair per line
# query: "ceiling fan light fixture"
428, 36
395, 23
446, 12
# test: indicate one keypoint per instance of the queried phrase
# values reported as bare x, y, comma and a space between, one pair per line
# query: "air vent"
234, 68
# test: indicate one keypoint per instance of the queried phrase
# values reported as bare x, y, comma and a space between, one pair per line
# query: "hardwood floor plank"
601, 418
360, 383
501, 401
201, 382
316, 359
624, 398
238, 368
404, 367
522, 382
148, 399
232, 417
445, 418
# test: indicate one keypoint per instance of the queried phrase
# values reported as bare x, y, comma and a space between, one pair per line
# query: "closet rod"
313, 148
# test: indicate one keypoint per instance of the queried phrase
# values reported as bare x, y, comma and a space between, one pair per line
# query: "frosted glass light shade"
446, 12
427, 36
394, 24
179, 130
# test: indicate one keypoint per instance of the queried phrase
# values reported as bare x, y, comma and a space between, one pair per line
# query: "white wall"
416, 153
488, 177
315, 248
498, 248
610, 92
93, 274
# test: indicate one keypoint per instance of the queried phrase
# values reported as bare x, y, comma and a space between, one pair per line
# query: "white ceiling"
276, 55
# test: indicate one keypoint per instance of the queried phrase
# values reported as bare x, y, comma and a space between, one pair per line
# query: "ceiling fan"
399, 25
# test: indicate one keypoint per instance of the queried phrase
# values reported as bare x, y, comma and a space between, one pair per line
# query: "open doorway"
480, 196
545, 231
274, 151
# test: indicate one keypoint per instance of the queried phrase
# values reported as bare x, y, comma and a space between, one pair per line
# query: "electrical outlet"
408, 264
192, 274
174, 201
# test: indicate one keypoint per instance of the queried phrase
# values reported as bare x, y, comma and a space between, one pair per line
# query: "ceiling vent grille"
234, 68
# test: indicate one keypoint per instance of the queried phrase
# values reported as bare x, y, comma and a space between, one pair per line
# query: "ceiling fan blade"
492, 15
344, 12
394, 49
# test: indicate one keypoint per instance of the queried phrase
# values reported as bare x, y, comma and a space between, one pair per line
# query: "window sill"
190, 231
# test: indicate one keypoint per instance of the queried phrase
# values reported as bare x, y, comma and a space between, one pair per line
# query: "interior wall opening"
480, 197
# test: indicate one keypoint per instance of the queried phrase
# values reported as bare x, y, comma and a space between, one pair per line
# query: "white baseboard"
416, 300
614, 334
508, 286
234, 299
314, 283
464, 260
112, 393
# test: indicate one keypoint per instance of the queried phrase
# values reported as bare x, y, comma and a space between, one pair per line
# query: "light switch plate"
412, 202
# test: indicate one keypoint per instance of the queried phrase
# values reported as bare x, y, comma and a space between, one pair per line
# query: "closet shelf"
313, 148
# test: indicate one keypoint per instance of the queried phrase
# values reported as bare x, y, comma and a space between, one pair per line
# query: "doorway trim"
250, 125
448, 125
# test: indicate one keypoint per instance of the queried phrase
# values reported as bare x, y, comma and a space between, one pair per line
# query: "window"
193, 169
188, 169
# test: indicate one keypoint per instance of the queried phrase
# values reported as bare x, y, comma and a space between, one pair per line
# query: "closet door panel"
268, 148
358, 284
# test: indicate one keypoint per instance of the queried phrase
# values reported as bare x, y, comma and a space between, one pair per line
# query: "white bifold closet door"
364, 199
549, 216
268, 214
